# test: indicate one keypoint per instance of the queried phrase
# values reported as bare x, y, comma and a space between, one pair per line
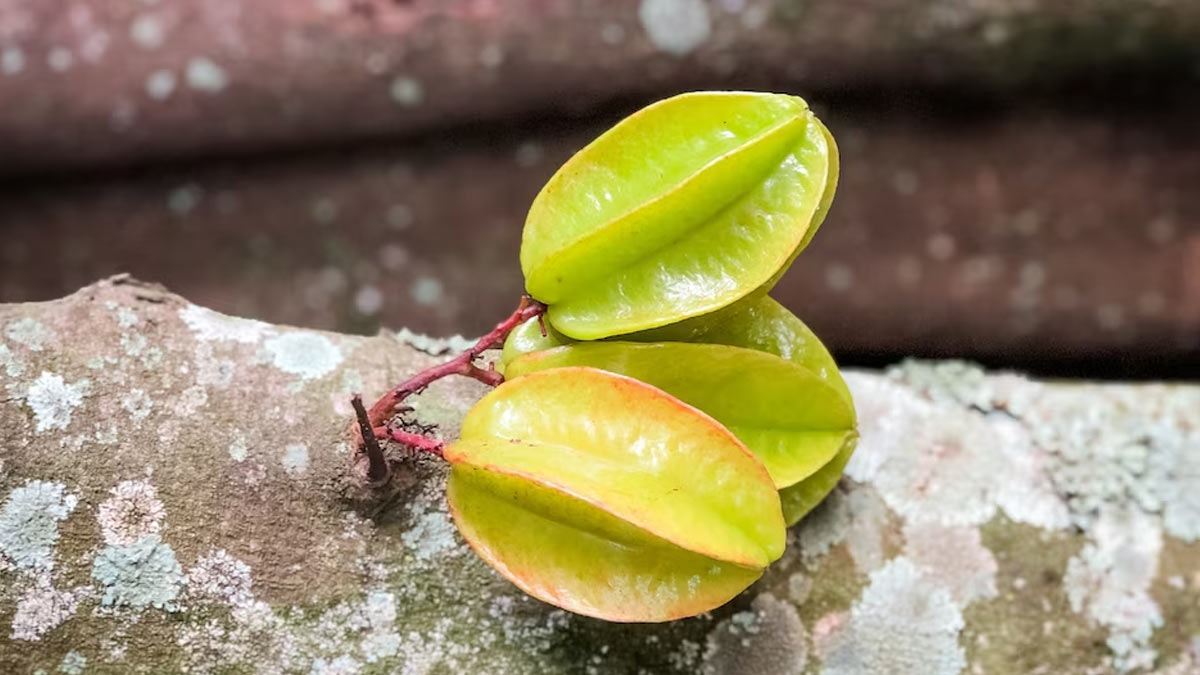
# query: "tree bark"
177, 499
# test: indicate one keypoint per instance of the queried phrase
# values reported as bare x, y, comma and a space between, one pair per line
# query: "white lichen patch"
160, 84
1123, 447
1179, 475
137, 346
1026, 494
345, 636
305, 354
1097, 446
431, 536
686, 657
168, 432
1109, 582
953, 557
935, 462
295, 459
210, 325
141, 575
12, 60
137, 404
380, 609
222, 578
454, 345
191, 400
147, 31
13, 365
52, 400
29, 524
945, 473
30, 333
1124, 457
340, 665
379, 645
369, 300
900, 626
1116, 462
60, 59
212, 371
427, 291
203, 75
184, 199
238, 449
1101, 451
72, 664
952, 383
676, 27
381, 641
888, 414
799, 587
41, 609
857, 517
126, 317
132, 512
769, 639
407, 91
107, 435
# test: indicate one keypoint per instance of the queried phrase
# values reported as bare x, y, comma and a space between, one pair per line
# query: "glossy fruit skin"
756, 322
608, 497
681, 209
804, 472
800, 499
788, 416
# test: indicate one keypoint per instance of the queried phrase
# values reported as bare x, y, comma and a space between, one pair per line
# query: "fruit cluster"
652, 443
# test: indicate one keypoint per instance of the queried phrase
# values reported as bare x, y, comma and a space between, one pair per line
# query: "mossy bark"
177, 499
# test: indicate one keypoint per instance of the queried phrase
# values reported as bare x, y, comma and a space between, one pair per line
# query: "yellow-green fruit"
681, 209
804, 496
608, 497
793, 420
780, 393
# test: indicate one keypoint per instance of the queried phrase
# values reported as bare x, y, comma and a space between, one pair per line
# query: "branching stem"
373, 423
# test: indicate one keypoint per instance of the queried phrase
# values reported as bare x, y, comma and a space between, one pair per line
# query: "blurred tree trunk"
119, 83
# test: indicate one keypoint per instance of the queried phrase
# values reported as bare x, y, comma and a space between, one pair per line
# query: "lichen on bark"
176, 498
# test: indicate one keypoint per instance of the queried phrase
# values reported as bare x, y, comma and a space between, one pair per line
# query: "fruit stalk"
373, 423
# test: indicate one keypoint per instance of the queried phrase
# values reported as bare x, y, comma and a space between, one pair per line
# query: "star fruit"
681, 209
608, 497
755, 368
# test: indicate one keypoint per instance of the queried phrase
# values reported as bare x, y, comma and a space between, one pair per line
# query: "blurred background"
1020, 181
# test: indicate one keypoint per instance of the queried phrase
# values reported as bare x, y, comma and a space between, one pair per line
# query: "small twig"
373, 423
377, 472
463, 364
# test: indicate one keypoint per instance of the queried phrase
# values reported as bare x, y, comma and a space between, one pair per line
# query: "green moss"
1030, 624
1177, 592
836, 584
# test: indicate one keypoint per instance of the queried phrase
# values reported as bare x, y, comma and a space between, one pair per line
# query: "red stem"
463, 364
412, 440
